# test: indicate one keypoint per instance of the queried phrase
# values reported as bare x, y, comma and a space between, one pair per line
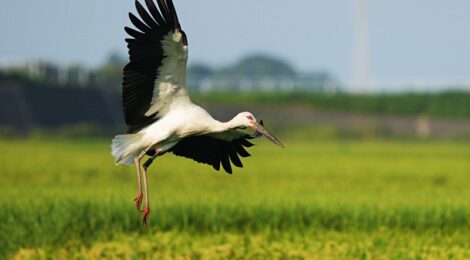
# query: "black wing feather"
145, 16
154, 11
234, 157
133, 33
145, 55
226, 162
246, 143
216, 165
172, 11
212, 151
139, 24
164, 10
241, 150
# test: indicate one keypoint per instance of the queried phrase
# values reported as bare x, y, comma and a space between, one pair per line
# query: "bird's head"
247, 120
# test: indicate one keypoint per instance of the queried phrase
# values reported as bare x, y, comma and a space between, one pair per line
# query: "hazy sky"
410, 40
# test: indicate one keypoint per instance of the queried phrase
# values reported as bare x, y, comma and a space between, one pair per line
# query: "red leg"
138, 199
147, 206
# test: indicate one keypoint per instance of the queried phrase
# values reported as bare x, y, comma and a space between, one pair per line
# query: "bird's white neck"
225, 126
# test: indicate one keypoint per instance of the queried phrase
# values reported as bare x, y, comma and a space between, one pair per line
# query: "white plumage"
180, 122
158, 110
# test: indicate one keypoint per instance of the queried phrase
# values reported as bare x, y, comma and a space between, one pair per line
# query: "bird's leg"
147, 206
138, 199
150, 160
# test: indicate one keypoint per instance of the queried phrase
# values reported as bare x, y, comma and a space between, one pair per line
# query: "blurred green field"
312, 200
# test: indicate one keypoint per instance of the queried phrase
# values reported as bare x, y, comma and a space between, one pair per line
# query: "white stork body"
182, 121
158, 110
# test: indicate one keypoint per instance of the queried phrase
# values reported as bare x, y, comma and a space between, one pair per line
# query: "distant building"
302, 82
78, 76
258, 73
48, 73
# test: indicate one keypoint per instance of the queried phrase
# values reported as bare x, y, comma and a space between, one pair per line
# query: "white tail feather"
125, 148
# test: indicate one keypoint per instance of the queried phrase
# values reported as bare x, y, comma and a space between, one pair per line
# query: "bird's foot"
146, 216
138, 200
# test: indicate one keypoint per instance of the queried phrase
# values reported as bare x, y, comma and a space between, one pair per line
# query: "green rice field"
333, 199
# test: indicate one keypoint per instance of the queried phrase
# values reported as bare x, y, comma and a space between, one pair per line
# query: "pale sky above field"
410, 40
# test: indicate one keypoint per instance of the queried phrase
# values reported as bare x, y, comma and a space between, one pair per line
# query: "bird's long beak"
260, 129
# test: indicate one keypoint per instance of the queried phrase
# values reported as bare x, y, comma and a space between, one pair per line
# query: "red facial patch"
250, 118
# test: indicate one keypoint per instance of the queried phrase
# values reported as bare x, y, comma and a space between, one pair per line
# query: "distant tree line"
254, 72
257, 73
451, 104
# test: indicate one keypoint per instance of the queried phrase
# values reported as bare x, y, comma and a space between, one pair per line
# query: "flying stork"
158, 110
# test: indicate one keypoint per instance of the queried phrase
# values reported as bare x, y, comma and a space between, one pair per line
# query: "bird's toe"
146, 216
138, 201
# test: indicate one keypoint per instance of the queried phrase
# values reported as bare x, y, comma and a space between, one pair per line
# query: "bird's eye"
250, 118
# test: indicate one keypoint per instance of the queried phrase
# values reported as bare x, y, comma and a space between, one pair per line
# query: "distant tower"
361, 76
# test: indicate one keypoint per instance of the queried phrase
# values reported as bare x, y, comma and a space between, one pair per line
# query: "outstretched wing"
216, 149
155, 76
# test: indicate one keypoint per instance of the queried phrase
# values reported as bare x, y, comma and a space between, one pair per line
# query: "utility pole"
361, 79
